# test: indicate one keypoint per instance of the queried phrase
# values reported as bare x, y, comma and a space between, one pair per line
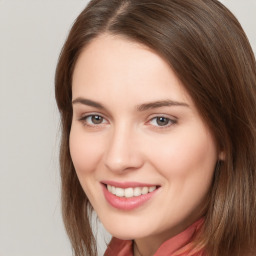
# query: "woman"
157, 103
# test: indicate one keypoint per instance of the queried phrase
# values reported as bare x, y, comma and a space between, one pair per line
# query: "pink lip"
126, 204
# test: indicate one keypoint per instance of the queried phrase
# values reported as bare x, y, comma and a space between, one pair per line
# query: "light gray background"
31, 35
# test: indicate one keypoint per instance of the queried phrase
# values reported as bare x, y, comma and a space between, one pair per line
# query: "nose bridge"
122, 152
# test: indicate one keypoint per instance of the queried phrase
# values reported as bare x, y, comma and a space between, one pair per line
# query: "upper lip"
128, 184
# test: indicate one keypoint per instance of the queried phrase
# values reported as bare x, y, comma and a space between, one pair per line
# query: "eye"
162, 121
92, 120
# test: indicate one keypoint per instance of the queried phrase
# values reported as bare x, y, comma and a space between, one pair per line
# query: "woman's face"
142, 153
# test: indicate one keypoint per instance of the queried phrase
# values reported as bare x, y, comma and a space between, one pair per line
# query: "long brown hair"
208, 50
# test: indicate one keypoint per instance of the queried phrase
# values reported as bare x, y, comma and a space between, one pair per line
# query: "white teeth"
144, 190
137, 191
113, 190
151, 189
130, 192
119, 192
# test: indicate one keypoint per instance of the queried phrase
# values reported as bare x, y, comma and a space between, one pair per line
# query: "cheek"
187, 155
186, 161
85, 151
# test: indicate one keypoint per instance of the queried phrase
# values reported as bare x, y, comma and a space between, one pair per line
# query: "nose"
123, 151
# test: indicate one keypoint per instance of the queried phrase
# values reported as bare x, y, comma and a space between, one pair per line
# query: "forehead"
114, 65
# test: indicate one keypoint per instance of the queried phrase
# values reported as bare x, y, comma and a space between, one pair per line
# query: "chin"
127, 235
126, 231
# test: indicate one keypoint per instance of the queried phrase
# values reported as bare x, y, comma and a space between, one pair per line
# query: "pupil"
96, 119
161, 121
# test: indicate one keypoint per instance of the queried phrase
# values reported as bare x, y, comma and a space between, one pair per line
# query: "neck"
147, 246
136, 251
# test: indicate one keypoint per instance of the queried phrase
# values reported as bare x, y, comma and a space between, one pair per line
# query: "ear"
222, 156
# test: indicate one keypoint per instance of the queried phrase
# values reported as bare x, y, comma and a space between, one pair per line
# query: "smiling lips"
130, 192
128, 197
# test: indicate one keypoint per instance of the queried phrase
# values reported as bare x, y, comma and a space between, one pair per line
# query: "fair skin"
132, 122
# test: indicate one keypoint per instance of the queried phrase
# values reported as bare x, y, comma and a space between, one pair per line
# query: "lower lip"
123, 203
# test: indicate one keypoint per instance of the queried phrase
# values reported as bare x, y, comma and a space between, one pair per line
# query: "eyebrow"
88, 103
159, 104
141, 108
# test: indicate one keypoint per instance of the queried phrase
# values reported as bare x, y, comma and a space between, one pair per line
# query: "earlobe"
222, 156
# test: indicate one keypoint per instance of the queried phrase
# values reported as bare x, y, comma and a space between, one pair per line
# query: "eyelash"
85, 122
170, 121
